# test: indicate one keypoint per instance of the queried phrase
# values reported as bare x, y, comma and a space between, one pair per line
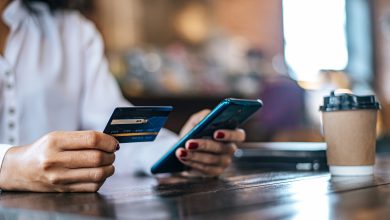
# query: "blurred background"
192, 54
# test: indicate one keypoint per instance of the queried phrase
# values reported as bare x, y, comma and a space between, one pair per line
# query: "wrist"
10, 166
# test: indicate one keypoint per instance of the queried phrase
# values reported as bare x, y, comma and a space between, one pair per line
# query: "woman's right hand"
60, 162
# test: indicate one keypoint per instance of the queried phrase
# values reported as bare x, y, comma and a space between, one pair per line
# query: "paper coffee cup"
349, 124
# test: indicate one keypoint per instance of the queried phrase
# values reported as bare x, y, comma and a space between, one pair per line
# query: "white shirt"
54, 76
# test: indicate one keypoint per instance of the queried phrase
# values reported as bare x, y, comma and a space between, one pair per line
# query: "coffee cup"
349, 126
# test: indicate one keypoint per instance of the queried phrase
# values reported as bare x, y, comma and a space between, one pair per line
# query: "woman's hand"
209, 157
60, 162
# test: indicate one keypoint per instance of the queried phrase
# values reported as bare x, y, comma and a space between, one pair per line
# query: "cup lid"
346, 101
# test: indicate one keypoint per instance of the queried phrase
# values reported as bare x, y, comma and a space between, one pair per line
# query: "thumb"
193, 121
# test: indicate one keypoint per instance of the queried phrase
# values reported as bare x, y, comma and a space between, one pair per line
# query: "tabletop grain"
250, 192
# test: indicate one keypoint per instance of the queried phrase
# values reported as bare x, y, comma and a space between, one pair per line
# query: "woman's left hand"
210, 157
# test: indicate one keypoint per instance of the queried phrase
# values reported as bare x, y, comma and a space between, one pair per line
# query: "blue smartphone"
229, 114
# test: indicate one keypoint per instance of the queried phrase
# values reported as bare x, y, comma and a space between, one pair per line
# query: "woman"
54, 81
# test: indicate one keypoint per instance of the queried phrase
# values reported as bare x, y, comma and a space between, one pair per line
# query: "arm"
101, 93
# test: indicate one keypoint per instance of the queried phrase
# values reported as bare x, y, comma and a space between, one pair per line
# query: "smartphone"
229, 114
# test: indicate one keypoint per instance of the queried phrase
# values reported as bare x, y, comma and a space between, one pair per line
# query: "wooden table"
245, 193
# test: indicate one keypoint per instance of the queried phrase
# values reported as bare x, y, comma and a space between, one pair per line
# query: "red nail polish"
220, 135
117, 147
183, 153
193, 146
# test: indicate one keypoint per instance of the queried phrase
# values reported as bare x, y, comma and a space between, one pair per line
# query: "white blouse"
54, 76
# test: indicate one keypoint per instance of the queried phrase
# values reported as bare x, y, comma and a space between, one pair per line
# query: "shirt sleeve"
101, 96
101, 92
3, 150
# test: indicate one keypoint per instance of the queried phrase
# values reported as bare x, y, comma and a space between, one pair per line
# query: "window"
315, 37
329, 35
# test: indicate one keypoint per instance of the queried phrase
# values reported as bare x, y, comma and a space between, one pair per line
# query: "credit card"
137, 124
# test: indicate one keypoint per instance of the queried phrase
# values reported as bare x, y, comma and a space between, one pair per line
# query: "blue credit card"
137, 124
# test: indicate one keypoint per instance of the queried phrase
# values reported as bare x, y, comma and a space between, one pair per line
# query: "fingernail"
183, 153
117, 147
193, 146
220, 135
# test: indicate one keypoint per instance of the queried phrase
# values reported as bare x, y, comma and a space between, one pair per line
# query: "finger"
82, 140
85, 159
181, 154
211, 146
237, 135
205, 169
222, 160
84, 175
193, 121
81, 187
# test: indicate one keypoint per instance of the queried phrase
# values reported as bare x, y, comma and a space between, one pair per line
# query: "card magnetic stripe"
134, 134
